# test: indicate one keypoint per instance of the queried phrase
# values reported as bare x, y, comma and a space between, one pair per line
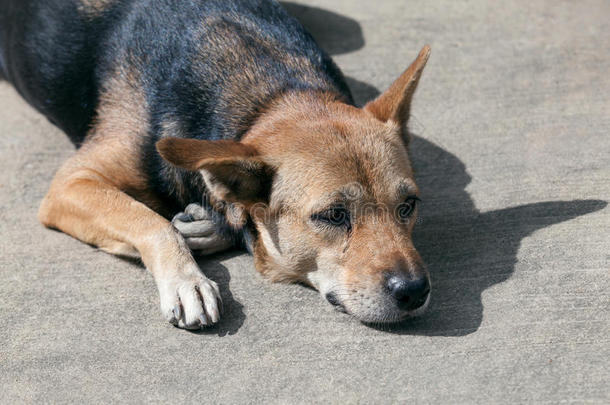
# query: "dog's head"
328, 197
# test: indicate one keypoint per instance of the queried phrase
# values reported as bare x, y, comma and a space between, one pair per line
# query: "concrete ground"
512, 148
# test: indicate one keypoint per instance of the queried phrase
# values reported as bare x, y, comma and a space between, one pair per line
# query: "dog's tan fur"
106, 165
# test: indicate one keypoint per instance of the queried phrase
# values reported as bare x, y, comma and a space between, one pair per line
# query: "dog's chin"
384, 315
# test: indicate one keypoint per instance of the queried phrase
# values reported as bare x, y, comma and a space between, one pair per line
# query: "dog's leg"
82, 202
196, 226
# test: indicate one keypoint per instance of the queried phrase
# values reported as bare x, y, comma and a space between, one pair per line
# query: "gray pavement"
512, 148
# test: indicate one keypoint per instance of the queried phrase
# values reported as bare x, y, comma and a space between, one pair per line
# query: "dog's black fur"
196, 61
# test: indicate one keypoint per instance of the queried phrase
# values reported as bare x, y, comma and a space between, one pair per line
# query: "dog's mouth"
392, 314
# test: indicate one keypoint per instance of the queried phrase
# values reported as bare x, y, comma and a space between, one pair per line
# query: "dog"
230, 109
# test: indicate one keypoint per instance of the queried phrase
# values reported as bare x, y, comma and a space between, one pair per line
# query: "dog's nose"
410, 292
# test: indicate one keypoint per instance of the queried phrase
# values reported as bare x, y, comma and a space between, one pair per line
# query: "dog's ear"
235, 175
394, 104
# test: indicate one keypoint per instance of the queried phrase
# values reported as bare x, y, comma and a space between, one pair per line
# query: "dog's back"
199, 55
206, 68
50, 51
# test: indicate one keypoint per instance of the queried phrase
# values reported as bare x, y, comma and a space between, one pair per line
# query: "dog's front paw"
189, 299
198, 230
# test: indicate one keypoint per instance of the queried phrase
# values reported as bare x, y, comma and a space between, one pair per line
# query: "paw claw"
221, 305
177, 312
203, 319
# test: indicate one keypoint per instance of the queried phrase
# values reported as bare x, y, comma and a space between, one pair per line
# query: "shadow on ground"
337, 35
467, 251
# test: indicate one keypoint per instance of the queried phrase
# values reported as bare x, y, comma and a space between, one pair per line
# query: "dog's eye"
405, 210
335, 216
